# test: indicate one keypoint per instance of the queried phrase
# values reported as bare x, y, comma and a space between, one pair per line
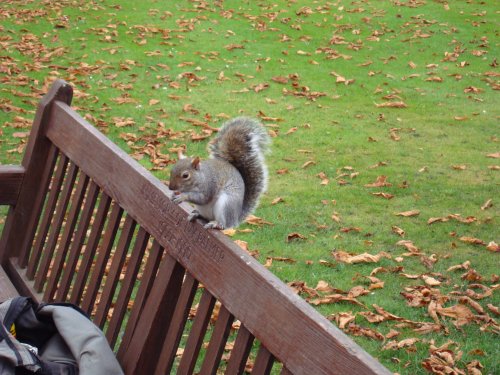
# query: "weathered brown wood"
37, 208
76, 246
141, 355
197, 333
7, 289
240, 352
148, 278
309, 340
21, 222
114, 272
217, 342
83, 272
63, 244
264, 362
43, 228
102, 259
127, 286
55, 228
285, 371
171, 342
11, 177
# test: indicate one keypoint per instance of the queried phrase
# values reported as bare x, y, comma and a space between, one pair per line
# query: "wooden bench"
88, 225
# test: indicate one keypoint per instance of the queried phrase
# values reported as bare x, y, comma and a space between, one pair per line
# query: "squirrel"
225, 188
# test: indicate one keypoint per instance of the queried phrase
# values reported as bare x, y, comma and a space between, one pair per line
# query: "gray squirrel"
225, 188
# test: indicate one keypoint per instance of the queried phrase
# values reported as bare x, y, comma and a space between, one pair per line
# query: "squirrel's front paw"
178, 198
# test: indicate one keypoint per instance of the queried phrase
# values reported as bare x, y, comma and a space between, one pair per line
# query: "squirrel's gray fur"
226, 187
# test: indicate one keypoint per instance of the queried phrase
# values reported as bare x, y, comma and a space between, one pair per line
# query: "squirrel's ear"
181, 155
196, 163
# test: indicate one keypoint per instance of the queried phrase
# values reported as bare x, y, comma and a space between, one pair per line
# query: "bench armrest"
11, 177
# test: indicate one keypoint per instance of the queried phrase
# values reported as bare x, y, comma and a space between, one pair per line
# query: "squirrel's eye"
185, 175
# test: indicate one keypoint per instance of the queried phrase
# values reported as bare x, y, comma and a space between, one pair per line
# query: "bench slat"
76, 246
217, 342
171, 342
142, 351
197, 333
264, 362
102, 259
240, 352
55, 228
83, 272
147, 280
43, 229
64, 242
127, 285
113, 275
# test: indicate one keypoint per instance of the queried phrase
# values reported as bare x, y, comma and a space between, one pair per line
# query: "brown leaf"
380, 182
344, 257
398, 104
472, 240
295, 236
343, 319
487, 204
400, 232
430, 280
383, 195
409, 213
462, 314
493, 246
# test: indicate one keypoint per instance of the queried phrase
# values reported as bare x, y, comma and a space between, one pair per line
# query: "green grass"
109, 49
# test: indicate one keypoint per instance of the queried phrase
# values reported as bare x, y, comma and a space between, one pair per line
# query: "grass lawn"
383, 203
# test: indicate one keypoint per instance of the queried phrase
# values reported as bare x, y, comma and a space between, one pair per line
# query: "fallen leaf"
380, 182
295, 236
409, 213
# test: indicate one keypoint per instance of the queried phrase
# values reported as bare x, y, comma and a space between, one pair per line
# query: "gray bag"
52, 339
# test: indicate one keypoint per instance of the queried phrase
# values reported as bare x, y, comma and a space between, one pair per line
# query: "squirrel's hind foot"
213, 225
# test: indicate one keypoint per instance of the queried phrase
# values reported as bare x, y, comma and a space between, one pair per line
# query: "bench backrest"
89, 225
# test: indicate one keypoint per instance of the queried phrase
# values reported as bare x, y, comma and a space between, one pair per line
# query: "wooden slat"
55, 228
11, 177
43, 228
115, 270
171, 342
21, 222
197, 333
141, 355
38, 204
147, 280
309, 340
217, 342
90, 249
240, 352
64, 242
76, 246
264, 362
285, 371
102, 259
127, 286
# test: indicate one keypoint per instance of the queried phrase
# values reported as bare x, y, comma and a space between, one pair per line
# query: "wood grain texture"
11, 178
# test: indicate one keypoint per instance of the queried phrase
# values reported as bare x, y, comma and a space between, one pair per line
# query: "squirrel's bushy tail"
243, 142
